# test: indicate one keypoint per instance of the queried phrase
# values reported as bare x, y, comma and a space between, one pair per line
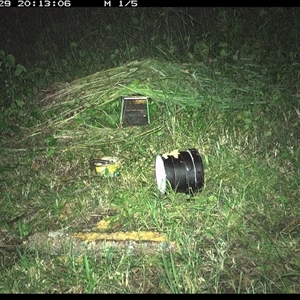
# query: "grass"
231, 93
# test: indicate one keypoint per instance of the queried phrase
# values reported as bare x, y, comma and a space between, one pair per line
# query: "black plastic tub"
182, 171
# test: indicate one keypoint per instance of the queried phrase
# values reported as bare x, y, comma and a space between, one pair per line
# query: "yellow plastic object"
106, 166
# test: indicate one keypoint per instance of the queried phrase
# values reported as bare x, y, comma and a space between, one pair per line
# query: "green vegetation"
222, 80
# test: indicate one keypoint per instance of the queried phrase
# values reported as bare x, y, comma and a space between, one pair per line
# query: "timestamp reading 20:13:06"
35, 3
62, 3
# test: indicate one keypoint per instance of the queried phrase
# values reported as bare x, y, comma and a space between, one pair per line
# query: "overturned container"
182, 170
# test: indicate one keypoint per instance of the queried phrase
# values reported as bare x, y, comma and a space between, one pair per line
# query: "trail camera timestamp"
43, 3
63, 3
35, 3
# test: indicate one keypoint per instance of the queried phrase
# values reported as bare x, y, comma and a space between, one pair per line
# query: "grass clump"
231, 93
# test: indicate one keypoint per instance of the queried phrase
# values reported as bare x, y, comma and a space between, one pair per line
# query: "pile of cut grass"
90, 107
